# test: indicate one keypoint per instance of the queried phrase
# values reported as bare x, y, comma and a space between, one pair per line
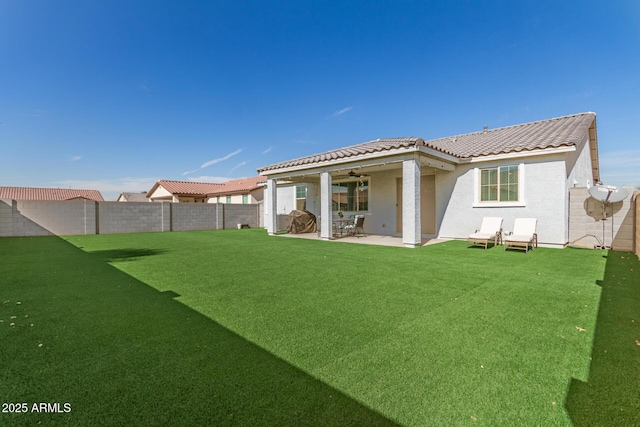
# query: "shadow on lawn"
129, 254
612, 394
122, 353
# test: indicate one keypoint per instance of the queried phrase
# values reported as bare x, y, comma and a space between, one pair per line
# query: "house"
133, 197
181, 191
31, 193
238, 191
443, 187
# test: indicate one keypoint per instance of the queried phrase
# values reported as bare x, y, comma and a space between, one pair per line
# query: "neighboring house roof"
30, 193
242, 185
133, 197
185, 188
551, 133
189, 188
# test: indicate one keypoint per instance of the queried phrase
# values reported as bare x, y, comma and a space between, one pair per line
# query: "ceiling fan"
353, 174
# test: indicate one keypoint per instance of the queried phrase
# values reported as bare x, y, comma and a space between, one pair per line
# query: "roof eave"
593, 147
377, 155
519, 154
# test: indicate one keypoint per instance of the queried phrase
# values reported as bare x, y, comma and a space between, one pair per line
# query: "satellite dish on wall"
608, 193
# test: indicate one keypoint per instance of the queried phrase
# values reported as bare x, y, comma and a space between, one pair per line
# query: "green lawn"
237, 328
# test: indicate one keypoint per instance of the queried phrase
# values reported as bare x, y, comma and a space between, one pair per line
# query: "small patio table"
339, 226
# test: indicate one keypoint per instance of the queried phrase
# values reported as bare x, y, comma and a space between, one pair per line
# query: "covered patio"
371, 239
391, 182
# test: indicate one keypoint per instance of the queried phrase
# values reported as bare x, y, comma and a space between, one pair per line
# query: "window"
228, 199
499, 184
301, 197
352, 196
245, 199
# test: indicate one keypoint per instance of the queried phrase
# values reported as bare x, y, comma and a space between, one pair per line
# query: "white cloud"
620, 167
214, 161
205, 178
239, 165
109, 188
341, 112
37, 112
75, 158
267, 150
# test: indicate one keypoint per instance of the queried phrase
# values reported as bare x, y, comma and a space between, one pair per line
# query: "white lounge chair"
523, 236
490, 229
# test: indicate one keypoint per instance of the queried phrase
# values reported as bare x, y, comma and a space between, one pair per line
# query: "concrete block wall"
133, 217
587, 227
193, 216
41, 218
636, 202
241, 214
6, 217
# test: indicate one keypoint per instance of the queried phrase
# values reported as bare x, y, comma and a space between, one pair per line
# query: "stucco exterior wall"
544, 197
381, 218
578, 164
286, 202
160, 193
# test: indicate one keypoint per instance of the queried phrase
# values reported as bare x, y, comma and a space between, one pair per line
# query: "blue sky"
114, 95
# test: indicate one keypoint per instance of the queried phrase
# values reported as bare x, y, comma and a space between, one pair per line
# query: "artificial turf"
234, 327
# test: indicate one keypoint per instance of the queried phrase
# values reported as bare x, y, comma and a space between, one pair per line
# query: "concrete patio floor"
370, 239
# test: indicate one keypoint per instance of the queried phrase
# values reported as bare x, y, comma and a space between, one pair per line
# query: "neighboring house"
30, 193
181, 191
443, 188
238, 191
133, 197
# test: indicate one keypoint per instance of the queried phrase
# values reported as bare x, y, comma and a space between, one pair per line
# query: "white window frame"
477, 203
357, 202
298, 199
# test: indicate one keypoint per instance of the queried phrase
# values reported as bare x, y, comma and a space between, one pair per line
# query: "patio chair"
490, 230
523, 236
358, 226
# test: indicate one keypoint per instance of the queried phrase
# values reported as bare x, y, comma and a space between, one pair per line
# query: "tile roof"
551, 133
190, 188
241, 185
186, 187
31, 193
383, 144
134, 197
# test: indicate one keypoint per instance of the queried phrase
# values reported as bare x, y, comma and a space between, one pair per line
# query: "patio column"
411, 227
271, 207
325, 206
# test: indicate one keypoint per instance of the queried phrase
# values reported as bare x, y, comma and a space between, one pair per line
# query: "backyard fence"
80, 216
590, 225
